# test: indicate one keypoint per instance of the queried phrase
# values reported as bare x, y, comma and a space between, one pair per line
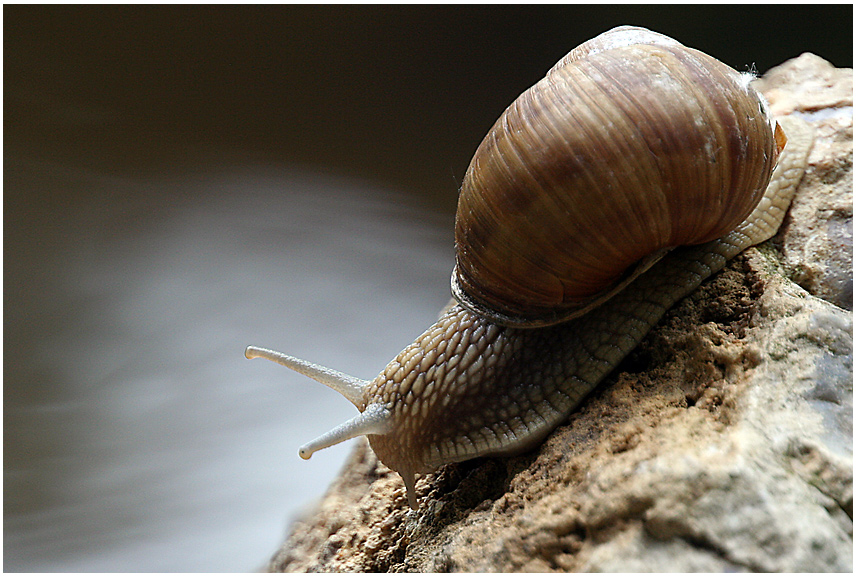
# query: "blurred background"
180, 182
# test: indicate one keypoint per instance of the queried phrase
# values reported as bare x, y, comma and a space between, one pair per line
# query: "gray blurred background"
180, 182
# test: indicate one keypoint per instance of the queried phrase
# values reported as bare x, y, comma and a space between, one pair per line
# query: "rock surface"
723, 443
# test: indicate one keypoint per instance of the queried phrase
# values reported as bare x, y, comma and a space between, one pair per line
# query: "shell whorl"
630, 145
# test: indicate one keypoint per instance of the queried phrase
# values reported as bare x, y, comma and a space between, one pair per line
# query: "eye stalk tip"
251, 352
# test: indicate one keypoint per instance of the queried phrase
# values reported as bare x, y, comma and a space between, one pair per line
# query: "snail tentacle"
375, 419
349, 386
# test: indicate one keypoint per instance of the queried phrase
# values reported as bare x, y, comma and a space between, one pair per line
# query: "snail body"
568, 219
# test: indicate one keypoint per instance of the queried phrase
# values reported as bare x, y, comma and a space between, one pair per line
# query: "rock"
722, 443
817, 233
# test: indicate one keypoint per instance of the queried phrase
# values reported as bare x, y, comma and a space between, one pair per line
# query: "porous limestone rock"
723, 443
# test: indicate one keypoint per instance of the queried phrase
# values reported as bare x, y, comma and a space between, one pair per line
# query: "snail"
604, 194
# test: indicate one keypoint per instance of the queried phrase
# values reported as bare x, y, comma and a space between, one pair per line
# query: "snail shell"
631, 145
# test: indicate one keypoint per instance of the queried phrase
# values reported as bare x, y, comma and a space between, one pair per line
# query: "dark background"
398, 94
180, 182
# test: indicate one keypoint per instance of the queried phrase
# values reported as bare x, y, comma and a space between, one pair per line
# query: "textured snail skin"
467, 388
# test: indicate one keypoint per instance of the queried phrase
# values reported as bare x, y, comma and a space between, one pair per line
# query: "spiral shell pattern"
630, 145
